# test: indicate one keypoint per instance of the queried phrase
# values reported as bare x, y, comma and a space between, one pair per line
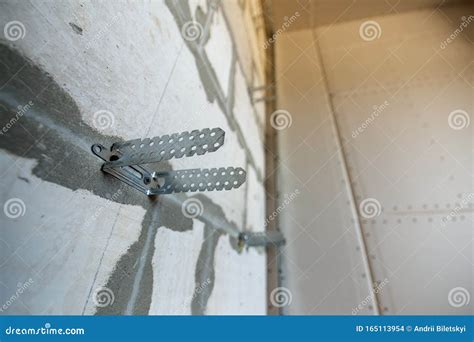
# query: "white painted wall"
323, 268
408, 158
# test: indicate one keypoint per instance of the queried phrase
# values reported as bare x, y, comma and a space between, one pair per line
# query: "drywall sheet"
401, 87
323, 269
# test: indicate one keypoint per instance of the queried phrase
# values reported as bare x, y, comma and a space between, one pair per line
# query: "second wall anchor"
125, 161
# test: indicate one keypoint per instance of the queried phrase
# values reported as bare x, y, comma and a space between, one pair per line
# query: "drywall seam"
346, 177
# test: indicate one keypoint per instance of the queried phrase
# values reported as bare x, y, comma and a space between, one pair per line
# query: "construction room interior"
236, 157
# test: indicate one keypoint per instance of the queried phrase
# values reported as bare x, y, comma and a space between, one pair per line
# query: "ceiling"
326, 12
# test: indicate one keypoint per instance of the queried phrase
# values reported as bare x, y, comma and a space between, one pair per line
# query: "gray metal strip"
192, 180
178, 145
272, 238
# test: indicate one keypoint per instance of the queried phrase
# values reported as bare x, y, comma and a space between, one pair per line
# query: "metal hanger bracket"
126, 160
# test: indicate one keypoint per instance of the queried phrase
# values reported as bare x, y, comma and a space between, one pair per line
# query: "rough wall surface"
101, 72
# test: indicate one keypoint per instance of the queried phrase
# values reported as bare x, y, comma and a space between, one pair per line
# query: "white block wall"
81, 231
